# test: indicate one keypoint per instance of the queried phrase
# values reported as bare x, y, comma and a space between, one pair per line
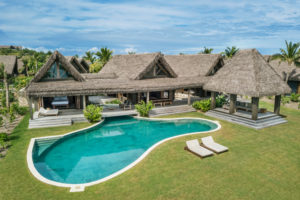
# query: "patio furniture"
209, 143
44, 112
60, 101
194, 147
125, 106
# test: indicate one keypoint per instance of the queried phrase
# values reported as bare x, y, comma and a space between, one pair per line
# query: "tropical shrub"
20, 110
295, 97
220, 101
144, 108
285, 100
3, 140
22, 81
93, 113
1, 121
96, 66
115, 101
203, 105
3, 99
12, 115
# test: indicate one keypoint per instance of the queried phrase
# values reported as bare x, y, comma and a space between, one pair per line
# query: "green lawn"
262, 164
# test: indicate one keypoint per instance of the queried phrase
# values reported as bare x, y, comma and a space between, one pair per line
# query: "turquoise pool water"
98, 152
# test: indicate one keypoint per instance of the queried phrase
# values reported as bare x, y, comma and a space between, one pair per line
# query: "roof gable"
84, 63
134, 66
64, 63
10, 64
74, 61
193, 65
247, 74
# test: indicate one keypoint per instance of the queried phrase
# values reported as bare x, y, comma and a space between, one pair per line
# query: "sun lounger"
194, 147
209, 143
44, 112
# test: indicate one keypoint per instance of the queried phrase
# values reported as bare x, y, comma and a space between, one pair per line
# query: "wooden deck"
245, 118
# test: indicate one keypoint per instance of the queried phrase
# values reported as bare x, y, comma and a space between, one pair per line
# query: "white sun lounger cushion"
209, 143
43, 111
194, 146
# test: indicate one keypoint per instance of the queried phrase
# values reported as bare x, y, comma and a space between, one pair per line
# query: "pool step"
45, 122
160, 111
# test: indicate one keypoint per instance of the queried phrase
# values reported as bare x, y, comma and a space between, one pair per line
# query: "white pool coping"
80, 187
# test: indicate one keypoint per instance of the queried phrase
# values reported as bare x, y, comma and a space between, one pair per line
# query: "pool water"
100, 151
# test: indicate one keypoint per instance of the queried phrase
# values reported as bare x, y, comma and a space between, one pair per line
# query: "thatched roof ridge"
98, 86
134, 66
283, 69
100, 76
193, 65
76, 61
10, 63
248, 74
65, 64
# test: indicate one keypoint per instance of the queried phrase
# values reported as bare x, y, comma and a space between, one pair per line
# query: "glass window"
63, 73
52, 72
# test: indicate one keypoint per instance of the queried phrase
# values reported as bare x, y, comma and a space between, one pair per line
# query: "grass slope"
261, 164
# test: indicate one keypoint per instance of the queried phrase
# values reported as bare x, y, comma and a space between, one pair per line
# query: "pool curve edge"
73, 187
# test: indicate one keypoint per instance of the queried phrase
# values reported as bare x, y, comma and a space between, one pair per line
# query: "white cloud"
129, 49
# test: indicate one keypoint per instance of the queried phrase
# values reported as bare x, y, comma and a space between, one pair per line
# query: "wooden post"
148, 97
254, 101
232, 103
84, 102
277, 104
30, 107
213, 100
35, 103
139, 97
189, 97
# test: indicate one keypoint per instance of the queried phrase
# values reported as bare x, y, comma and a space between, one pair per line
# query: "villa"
158, 78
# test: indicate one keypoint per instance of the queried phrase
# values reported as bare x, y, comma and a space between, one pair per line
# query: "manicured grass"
262, 164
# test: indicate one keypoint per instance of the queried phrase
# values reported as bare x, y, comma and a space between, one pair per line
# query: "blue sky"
169, 26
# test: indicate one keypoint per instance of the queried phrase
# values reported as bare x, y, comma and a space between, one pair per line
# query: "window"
53, 74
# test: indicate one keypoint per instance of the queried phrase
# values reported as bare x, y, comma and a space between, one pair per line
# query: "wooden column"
84, 102
277, 104
232, 103
213, 100
254, 101
30, 107
35, 103
189, 97
148, 97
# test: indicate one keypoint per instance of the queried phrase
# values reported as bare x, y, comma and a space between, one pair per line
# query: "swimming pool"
105, 150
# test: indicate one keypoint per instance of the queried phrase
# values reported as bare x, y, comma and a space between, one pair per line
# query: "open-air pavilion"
247, 74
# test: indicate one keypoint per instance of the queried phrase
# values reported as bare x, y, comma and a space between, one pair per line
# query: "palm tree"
104, 55
89, 56
229, 52
206, 50
291, 55
3, 75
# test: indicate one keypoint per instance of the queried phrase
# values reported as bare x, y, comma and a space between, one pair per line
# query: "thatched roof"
65, 64
84, 63
98, 86
283, 69
20, 65
248, 74
193, 65
135, 66
10, 64
75, 62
